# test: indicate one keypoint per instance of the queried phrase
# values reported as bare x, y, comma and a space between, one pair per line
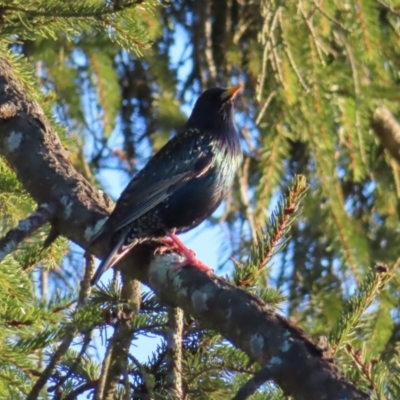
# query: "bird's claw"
170, 246
174, 244
162, 250
193, 262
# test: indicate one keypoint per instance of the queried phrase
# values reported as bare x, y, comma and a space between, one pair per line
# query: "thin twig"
251, 386
357, 92
245, 131
104, 373
242, 26
317, 42
244, 192
266, 40
389, 7
86, 341
46, 374
208, 43
265, 106
148, 384
73, 395
335, 21
26, 228
86, 287
290, 57
174, 352
115, 363
277, 61
127, 386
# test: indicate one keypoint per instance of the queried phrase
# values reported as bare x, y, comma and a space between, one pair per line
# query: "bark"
173, 379
387, 128
116, 360
34, 151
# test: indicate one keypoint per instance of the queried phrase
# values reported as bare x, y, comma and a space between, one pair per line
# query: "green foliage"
14, 201
124, 23
350, 319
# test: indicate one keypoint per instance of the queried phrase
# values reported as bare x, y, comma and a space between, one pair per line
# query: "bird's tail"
117, 252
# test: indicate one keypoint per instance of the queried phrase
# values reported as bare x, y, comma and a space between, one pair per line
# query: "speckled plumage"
182, 184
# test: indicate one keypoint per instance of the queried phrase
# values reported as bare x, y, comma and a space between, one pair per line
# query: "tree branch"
26, 228
253, 384
387, 128
35, 153
121, 339
174, 353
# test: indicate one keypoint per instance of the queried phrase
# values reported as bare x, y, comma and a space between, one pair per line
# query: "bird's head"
213, 109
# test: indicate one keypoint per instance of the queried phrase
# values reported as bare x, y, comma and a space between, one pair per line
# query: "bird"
180, 186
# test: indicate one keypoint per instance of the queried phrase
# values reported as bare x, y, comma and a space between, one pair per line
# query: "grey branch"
35, 153
26, 228
387, 129
295, 363
116, 360
174, 352
253, 384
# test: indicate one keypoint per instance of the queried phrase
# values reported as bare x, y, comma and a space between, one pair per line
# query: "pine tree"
90, 89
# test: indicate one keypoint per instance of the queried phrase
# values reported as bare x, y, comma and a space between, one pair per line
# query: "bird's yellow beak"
231, 92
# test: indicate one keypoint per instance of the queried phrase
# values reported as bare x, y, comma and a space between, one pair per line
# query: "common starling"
181, 185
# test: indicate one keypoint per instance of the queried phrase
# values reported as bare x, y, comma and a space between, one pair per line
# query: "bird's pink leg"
168, 246
171, 245
188, 254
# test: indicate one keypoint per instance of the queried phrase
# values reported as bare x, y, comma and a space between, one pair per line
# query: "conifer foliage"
308, 305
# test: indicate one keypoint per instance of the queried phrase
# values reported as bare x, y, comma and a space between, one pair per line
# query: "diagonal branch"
116, 363
41, 163
253, 384
387, 128
26, 228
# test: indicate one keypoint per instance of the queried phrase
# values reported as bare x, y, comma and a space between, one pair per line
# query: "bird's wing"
144, 193
147, 200
134, 202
